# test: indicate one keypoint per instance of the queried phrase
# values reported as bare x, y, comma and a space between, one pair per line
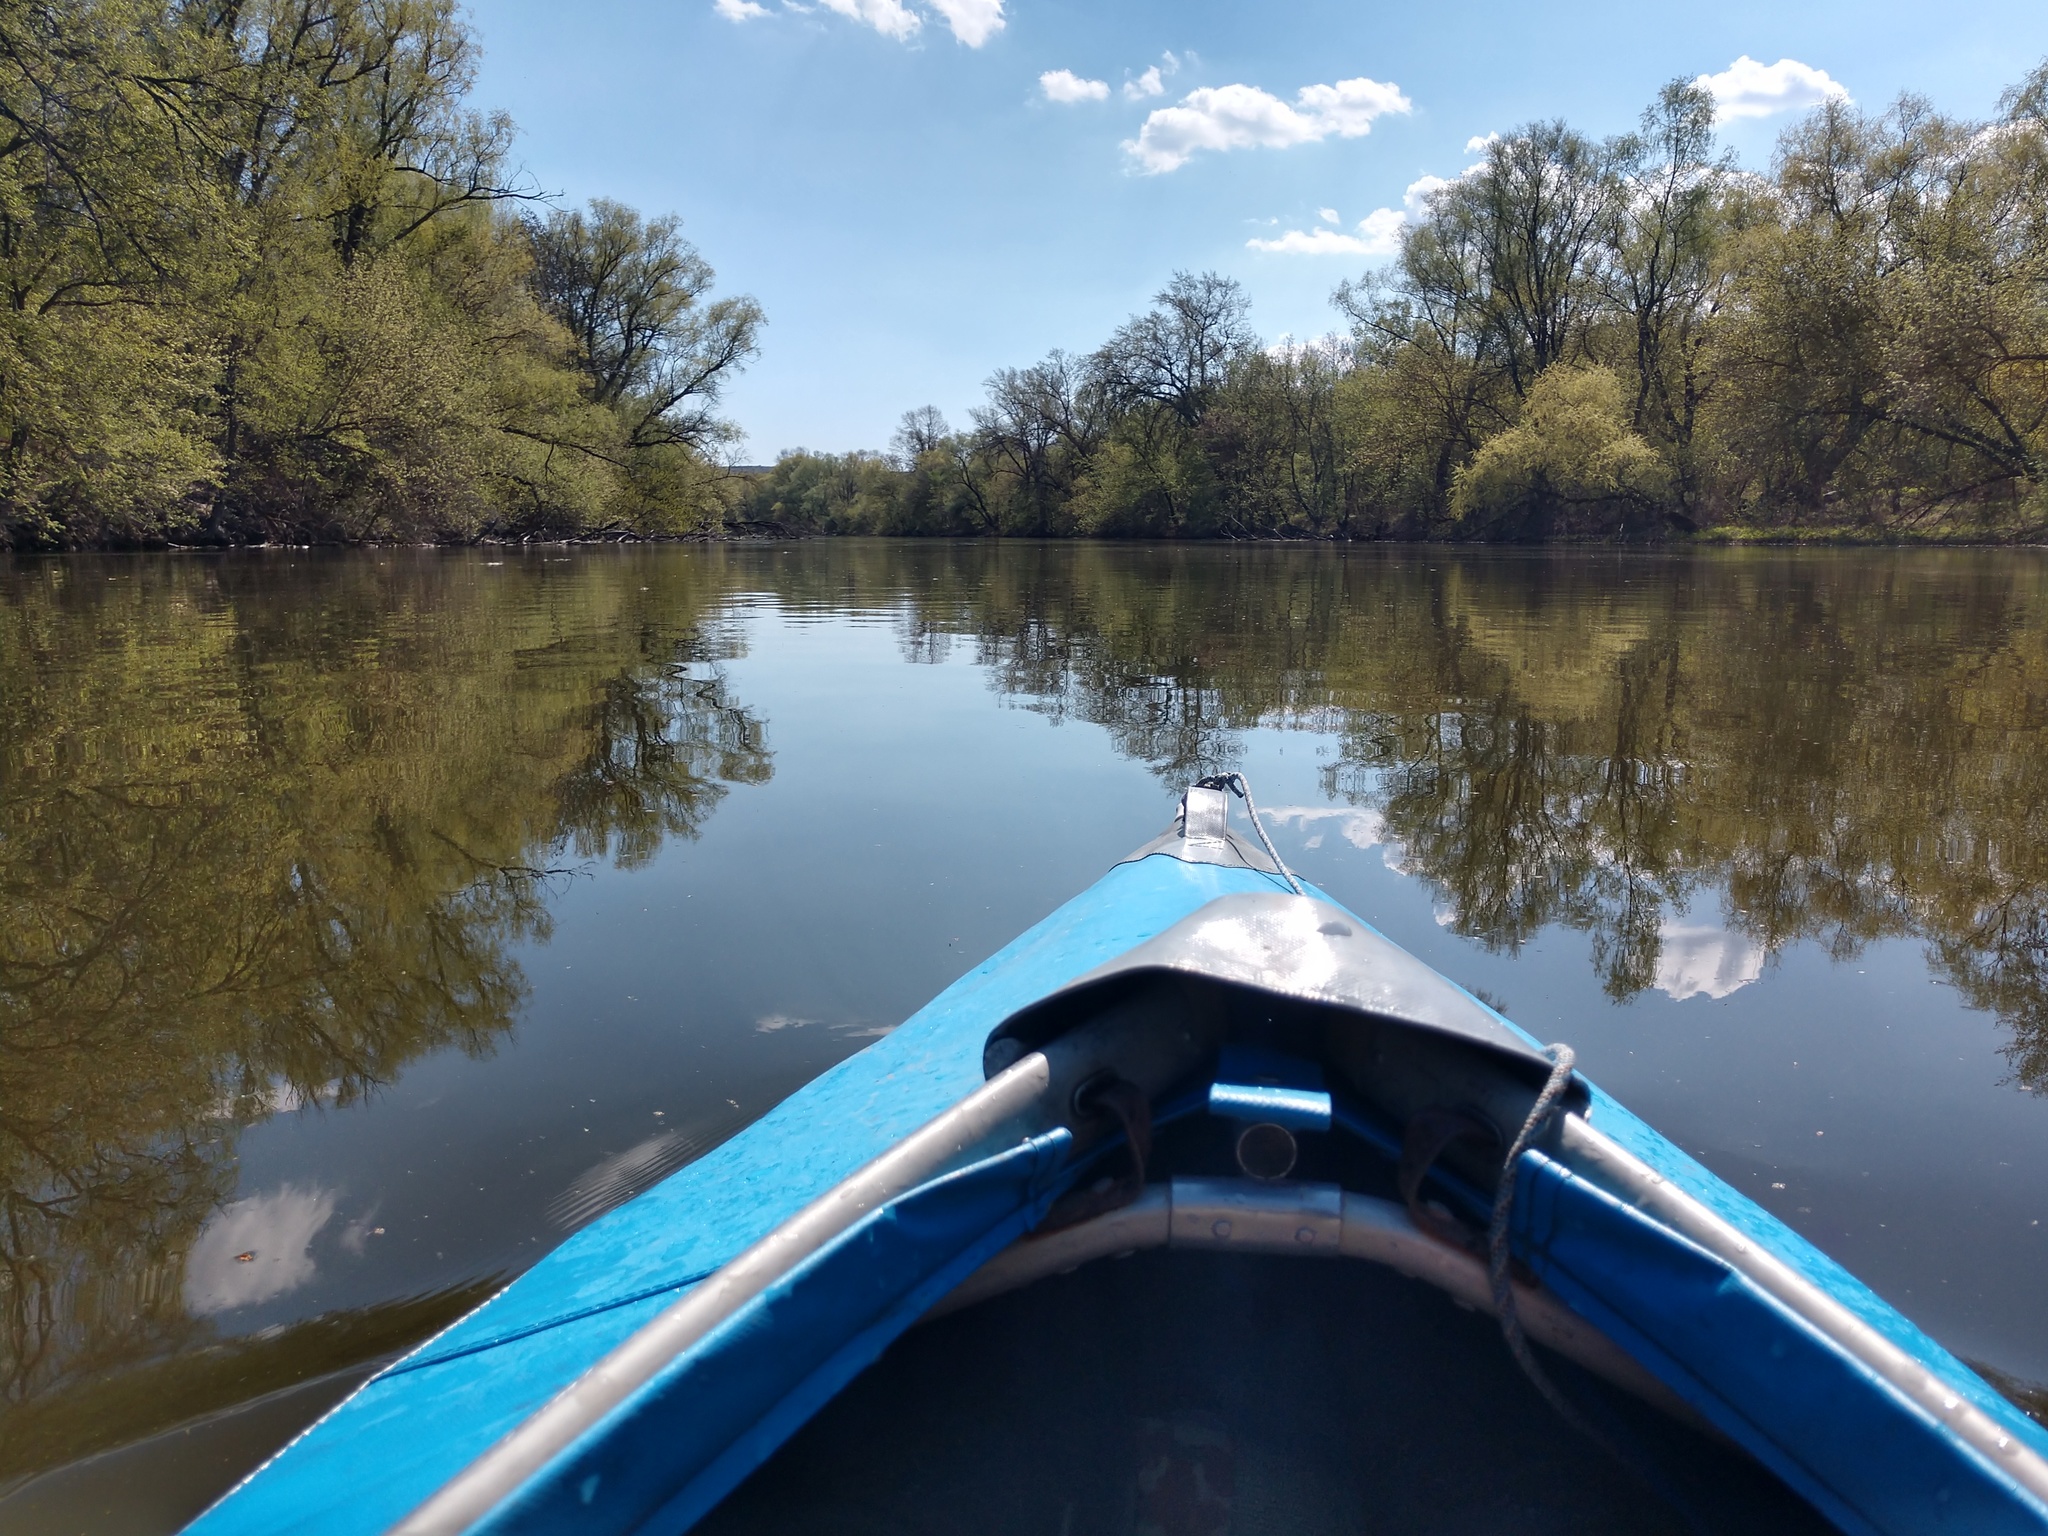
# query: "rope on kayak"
1497, 1254
1620, 1443
1124, 1102
1235, 783
1429, 1134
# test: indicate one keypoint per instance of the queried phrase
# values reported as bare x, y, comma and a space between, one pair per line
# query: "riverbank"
1707, 538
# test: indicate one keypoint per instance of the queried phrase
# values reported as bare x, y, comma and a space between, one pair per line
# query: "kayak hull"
1726, 1310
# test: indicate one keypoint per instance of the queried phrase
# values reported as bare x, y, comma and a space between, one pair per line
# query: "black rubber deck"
1197, 1394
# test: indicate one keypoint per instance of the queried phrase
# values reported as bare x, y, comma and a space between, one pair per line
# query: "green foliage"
1572, 452
648, 341
841, 493
1576, 339
261, 282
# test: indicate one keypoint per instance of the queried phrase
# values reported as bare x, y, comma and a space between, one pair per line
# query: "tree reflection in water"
271, 829
1842, 745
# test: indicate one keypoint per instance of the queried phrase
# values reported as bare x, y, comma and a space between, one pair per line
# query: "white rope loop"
1235, 782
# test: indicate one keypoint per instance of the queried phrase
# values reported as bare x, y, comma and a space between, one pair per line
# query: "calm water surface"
368, 922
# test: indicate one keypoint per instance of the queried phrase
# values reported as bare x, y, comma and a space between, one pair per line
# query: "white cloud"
1153, 81
1348, 108
1227, 117
1480, 143
1696, 961
1066, 86
1749, 89
973, 22
1381, 229
1416, 195
1312, 242
1379, 232
255, 1249
888, 17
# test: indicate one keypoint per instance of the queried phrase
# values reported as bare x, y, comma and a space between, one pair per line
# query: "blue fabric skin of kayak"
775, 1364
384, 1450
1867, 1457
387, 1448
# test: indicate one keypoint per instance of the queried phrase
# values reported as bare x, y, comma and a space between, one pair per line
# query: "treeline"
268, 275
1578, 339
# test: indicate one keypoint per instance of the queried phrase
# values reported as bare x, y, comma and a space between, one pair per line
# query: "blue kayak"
1200, 1208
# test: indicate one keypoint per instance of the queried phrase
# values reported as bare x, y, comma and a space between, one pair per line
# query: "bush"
1571, 465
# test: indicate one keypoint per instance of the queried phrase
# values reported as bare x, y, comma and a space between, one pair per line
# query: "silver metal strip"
1205, 816
1619, 1172
1271, 1218
494, 1476
1307, 1219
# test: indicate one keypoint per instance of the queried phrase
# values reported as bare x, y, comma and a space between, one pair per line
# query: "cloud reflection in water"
255, 1249
1698, 960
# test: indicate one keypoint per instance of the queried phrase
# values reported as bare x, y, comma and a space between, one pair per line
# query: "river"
371, 920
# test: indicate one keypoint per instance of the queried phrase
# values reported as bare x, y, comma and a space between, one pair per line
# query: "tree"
1179, 352
257, 280
1427, 332
1965, 320
1499, 280
1571, 464
1664, 273
1540, 208
1040, 426
1274, 435
650, 343
349, 114
921, 431
103, 215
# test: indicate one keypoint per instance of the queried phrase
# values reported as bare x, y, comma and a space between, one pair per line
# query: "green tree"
1571, 464
653, 348
1542, 207
1665, 275
103, 214
261, 282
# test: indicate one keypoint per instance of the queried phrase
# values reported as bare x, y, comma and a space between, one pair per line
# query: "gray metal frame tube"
502, 1470
1613, 1168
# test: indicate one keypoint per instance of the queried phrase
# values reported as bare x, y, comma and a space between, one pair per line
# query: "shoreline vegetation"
271, 279
1577, 341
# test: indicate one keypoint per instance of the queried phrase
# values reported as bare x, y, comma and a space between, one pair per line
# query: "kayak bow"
1158, 1066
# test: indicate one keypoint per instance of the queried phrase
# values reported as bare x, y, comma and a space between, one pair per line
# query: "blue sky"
897, 183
